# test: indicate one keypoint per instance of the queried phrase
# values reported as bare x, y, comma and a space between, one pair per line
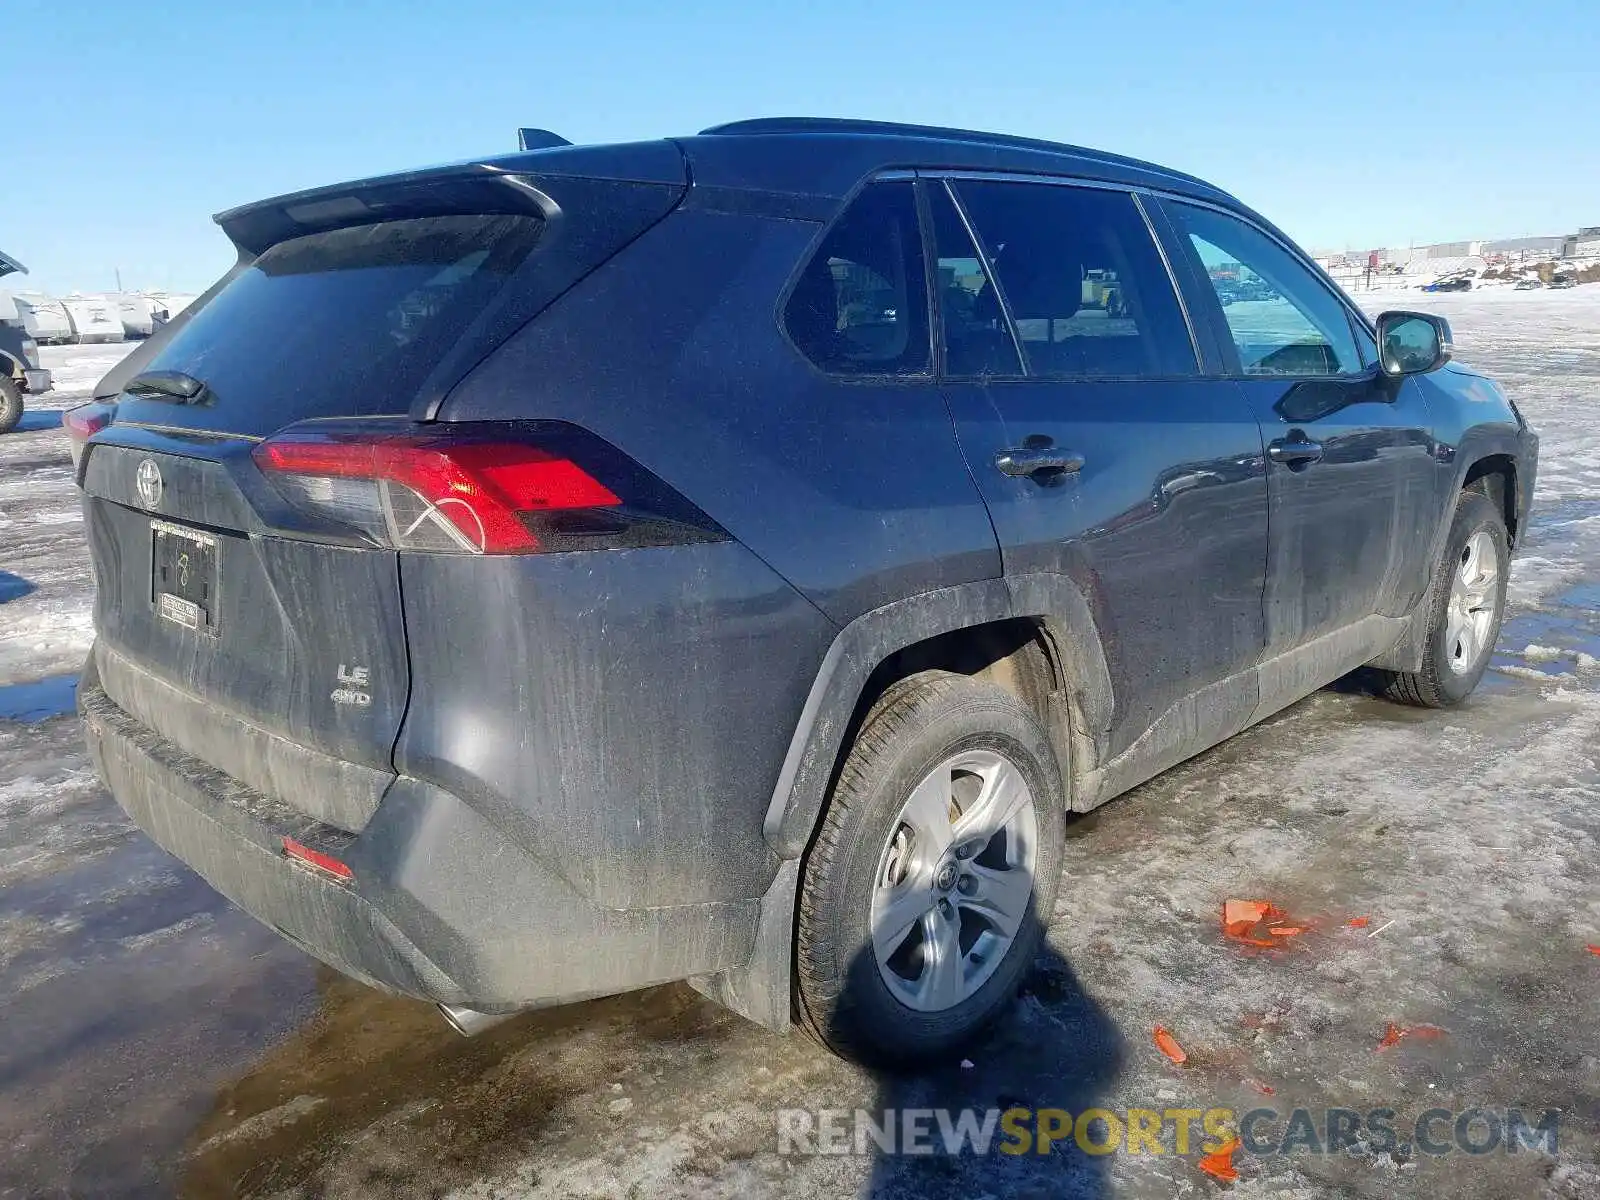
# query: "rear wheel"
1468, 604
925, 894
10, 405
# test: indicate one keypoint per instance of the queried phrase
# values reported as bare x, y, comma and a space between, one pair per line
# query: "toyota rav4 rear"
334, 635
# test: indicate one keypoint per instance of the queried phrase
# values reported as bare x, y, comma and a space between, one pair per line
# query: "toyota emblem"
148, 480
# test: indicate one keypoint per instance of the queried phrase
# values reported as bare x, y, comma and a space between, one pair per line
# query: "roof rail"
849, 125
539, 139
884, 128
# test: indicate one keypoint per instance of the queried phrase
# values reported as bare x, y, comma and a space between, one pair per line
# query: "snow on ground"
45, 626
154, 1040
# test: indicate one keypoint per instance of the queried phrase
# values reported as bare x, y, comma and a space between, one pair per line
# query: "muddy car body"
728, 558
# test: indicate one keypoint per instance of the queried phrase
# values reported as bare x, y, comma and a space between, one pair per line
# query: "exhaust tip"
468, 1022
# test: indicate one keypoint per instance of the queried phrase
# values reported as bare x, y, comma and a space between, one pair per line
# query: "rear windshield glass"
347, 322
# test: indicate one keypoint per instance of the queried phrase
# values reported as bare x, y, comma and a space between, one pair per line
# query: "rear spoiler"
576, 177
503, 183
474, 187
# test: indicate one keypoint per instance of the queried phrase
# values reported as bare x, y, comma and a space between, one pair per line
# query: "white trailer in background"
45, 319
137, 313
94, 318
166, 305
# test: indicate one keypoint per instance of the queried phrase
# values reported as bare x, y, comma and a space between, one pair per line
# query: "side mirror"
1410, 343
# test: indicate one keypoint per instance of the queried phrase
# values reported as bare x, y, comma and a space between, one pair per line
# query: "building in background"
1583, 244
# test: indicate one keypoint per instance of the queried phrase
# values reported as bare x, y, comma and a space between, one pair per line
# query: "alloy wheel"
954, 881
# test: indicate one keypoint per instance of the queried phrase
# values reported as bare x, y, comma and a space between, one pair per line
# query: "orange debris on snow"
1392, 1033
1266, 1089
1593, 949
1359, 922
1247, 920
1168, 1045
1247, 912
1219, 1165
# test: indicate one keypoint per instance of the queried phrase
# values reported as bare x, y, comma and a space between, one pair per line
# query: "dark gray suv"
730, 558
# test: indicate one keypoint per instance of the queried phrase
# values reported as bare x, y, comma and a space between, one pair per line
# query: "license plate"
183, 576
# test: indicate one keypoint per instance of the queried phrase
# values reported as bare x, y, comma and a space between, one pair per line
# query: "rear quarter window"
859, 306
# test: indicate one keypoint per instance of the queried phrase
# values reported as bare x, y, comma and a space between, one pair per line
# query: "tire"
974, 748
10, 405
1453, 665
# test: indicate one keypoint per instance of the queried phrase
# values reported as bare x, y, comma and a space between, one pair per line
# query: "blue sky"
1351, 124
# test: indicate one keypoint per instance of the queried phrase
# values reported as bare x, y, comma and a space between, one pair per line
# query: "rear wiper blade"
167, 385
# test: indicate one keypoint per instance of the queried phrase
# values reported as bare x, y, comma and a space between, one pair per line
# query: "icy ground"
154, 1041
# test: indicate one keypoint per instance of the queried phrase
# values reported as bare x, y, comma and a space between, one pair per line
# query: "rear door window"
1282, 319
859, 307
347, 322
1083, 279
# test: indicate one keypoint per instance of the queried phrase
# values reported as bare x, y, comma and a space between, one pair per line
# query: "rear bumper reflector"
317, 859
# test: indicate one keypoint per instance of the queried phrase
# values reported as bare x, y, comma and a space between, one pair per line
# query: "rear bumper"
443, 907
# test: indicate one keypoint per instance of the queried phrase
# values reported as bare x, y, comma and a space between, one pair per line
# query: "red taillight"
85, 421
82, 423
316, 858
477, 489
482, 489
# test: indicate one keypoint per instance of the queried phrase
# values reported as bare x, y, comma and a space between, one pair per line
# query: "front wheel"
925, 893
1468, 604
10, 405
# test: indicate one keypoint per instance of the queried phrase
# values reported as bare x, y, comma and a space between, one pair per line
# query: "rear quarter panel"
855, 492
620, 715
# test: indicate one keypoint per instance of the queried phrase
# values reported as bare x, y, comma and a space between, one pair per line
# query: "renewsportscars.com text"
1182, 1131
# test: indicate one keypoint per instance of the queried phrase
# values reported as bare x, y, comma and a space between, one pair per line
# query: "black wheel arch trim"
1480, 442
762, 989
1520, 446
862, 645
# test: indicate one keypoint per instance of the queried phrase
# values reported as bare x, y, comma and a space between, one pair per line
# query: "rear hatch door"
262, 640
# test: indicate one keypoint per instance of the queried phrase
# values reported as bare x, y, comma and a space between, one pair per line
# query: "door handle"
1027, 461
1295, 452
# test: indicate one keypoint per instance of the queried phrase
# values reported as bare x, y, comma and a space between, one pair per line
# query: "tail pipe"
469, 1022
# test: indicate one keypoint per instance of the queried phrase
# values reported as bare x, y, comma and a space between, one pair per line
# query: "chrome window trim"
1086, 181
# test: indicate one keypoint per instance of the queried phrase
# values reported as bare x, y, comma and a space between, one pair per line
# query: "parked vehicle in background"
20, 371
1256, 289
1564, 281
1450, 283
729, 558
1529, 285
